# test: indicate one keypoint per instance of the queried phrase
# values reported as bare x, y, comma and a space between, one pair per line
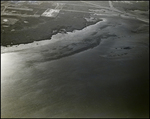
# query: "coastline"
99, 71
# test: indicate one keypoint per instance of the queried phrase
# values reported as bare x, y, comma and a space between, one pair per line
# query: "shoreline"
53, 39
44, 29
100, 71
69, 43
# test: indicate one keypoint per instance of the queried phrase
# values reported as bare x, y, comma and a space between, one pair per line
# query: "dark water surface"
110, 80
82, 85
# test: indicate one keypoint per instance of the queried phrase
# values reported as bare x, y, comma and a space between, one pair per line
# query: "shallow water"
85, 84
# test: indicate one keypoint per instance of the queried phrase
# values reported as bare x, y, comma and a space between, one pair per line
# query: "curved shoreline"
69, 43
55, 38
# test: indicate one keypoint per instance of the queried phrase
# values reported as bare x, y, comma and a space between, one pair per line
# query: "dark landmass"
42, 28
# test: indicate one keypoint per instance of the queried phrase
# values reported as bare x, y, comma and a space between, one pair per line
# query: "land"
90, 60
31, 28
26, 23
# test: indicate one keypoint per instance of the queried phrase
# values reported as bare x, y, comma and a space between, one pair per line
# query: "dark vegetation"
42, 28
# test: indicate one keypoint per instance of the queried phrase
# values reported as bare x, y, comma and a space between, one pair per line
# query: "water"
80, 85
83, 85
